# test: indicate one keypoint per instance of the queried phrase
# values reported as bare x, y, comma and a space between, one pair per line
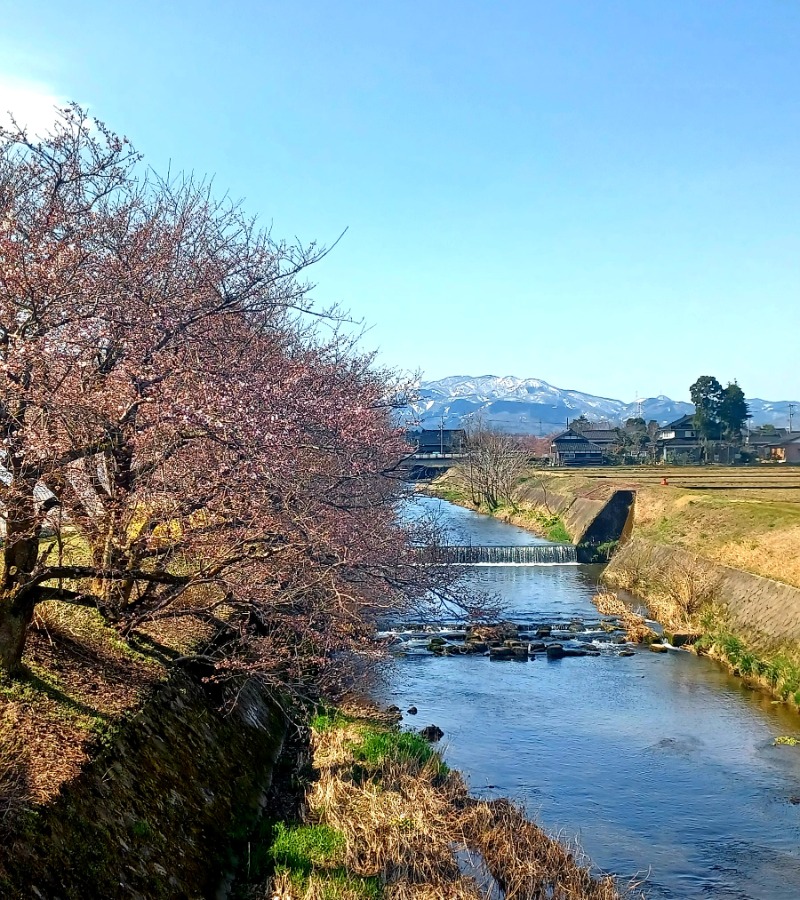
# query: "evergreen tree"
581, 424
733, 412
707, 394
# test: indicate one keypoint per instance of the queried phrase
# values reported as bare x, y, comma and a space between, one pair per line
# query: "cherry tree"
163, 397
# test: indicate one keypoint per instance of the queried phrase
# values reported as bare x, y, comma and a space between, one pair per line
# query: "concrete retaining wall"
766, 611
588, 520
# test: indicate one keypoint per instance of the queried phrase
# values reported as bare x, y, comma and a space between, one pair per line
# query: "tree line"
179, 441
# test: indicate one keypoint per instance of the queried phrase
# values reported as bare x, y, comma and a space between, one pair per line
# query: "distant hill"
532, 406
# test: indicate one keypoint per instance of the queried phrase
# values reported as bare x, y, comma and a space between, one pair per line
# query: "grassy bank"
534, 518
684, 597
745, 518
775, 671
80, 682
386, 818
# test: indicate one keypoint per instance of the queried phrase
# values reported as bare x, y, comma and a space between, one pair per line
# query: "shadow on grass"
58, 695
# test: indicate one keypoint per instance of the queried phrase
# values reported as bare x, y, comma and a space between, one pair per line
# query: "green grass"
328, 720
338, 885
314, 852
377, 747
558, 532
550, 525
448, 492
301, 848
780, 673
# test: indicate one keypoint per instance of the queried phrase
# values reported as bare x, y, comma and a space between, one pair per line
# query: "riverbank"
712, 553
122, 775
384, 817
123, 778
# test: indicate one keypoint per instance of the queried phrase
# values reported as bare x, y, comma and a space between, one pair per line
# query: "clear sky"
601, 193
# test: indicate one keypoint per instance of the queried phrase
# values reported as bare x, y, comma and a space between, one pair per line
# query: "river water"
660, 765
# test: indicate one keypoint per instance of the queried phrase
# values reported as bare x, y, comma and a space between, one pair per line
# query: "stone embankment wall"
157, 813
767, 611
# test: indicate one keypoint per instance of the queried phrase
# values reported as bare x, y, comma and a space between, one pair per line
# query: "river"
662, 766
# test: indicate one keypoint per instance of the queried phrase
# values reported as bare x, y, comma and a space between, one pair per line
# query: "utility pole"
791, 416
441, 436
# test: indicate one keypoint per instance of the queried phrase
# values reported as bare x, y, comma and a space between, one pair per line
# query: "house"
678, 439
763, 443
570, 448
442, 441
787, 450
759, 440
607, 439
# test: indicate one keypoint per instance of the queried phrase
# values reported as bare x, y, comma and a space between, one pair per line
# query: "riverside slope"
713, 552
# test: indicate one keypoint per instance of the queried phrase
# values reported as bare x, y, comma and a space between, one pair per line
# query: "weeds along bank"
748, 622
386, 818
714, 553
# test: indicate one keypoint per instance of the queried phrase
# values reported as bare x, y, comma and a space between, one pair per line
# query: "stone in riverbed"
658, 648
499, 653
432, 733
626, 653
681, 638
501, 632
412, 710
555, 651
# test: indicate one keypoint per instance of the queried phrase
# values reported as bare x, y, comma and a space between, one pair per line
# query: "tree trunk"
16, 605
112, 594
14, 622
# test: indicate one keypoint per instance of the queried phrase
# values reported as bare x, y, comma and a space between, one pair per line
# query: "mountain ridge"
534, 406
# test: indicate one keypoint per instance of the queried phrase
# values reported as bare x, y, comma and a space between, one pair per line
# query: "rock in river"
432, 733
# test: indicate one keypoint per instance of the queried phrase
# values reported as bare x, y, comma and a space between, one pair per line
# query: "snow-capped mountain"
532, 406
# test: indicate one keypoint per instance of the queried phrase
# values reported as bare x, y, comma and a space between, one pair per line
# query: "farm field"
747, 518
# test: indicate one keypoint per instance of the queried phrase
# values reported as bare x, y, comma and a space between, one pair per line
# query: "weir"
536, 555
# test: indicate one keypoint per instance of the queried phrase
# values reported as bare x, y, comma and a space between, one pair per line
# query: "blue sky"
605, 195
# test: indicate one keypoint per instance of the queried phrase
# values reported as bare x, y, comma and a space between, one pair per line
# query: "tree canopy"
719, 412
165, 397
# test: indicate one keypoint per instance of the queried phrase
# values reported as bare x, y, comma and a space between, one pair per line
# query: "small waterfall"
536, 555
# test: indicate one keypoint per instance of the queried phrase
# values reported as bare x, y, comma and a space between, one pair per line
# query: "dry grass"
749, 520
13, 767
528, 864
402, 820
80, 677
677, 587
636, 629
397, 823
